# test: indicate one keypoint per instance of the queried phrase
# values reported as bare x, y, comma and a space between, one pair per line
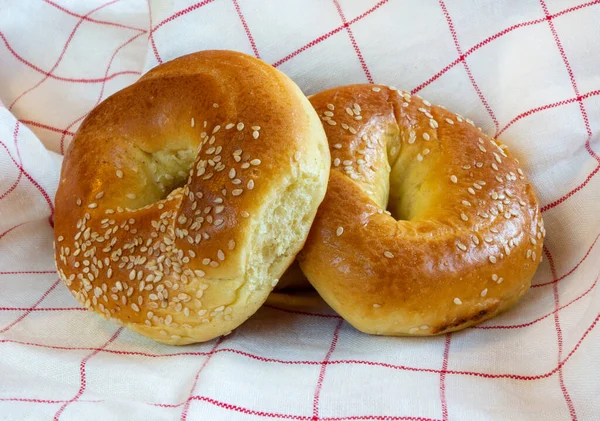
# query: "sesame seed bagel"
184, 197
463, 234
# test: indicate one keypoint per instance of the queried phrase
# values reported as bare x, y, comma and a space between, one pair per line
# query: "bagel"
428, 225
184, 197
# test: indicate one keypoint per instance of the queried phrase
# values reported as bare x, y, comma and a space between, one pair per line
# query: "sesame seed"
237, 192
240, 126
330, 107
244, 214
457, 301
297, 155
337, 146
484, 292
498, 159
229, 126
449, 121
250, 185
470, 190
494, 277
529, 253
493, 259
135, 307
461, 246
475, 239
92, 205
466, 203
426, 151
119, 173
388, 254
424, 327
494, 166
255, 162
376, 305
454, 179
328, 113
481, 148
336, 162
216, 129
464, 217
255, 134
434, 124
331, 122
339, 231
419, 157
220, 255
349, 111
533, 256
130, 195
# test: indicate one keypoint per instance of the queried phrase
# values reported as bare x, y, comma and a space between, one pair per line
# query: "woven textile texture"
526, 71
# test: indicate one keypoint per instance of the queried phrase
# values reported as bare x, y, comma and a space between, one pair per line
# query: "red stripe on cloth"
46, 401
62, 53
16, 183
129, 41
43, 309
444, 403
53, 76
29, 310
246, 28
493, 37
466, 66
563, 54
277, 415
170, 19
82, 375
11, 229
547, 107
28, 272
572, 192
27, 175
87, 18
186, 407
329, 34
46, 127
539, 319
357, 362
361, 59
555, 280
317, 395
559, 338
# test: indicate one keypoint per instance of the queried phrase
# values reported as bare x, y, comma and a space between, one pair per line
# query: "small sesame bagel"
184, 197
463, 234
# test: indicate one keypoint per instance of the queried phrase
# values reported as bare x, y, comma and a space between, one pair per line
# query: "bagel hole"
172, 169
166, 171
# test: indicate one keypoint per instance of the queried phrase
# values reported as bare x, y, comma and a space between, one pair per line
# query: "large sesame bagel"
184, 197
463, 234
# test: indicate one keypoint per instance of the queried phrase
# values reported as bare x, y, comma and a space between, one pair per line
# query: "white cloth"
524, 70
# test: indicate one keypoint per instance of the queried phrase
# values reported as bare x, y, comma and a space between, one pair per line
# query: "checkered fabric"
526, 71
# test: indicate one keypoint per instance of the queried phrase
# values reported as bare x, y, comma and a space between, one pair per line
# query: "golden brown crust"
167, 187
466, 235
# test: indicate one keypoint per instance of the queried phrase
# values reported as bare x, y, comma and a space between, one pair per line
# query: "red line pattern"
82, 375
29, 310
466, 66
186, 406
353, 41
582, 289
246, 29
317, 395
443, 377
559, 337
